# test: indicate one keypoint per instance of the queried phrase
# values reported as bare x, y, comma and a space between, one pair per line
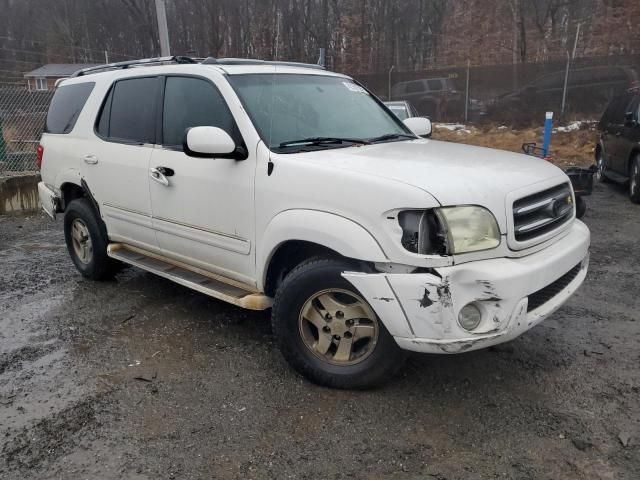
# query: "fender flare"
337, 233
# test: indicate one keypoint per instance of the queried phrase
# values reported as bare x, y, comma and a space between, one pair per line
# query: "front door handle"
90, 159
158, 176
166, 171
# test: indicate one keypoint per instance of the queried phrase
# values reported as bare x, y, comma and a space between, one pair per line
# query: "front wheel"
328, 332
634, 180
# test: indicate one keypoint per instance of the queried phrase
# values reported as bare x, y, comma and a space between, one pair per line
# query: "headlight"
422, 232
469, 229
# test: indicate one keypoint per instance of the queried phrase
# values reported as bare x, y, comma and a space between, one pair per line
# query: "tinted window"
414, 87
66, 105
193, 102
434, 85
103, 121
132, 111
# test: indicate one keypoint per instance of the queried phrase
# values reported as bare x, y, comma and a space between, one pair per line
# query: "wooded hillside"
360, 35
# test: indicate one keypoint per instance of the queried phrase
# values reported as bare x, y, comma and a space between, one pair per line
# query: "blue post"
548, 126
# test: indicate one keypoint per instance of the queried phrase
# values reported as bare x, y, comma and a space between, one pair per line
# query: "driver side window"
193, 102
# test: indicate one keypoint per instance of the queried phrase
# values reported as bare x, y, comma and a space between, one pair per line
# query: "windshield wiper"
323, 141
392, 136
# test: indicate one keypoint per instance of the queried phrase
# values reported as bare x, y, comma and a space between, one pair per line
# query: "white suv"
284, 186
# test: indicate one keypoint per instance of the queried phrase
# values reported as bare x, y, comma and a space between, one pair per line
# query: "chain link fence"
514, 95
22, 118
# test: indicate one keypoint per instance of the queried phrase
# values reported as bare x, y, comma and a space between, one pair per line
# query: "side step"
197, 279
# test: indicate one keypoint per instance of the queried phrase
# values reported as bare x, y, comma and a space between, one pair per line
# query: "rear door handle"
90, 159
157, 176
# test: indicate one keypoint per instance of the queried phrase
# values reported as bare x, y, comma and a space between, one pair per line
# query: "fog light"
469, 317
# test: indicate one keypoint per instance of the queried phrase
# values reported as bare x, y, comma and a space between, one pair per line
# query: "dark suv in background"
618, 149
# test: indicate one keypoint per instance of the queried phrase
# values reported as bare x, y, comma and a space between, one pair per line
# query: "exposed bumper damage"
421, 310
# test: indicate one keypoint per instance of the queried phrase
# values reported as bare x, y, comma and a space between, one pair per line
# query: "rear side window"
193, 102
66, 105
434, 85
128, 114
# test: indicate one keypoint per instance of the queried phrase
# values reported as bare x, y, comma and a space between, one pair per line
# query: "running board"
197, 279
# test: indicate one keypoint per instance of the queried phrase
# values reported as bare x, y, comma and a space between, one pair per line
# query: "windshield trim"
275, 148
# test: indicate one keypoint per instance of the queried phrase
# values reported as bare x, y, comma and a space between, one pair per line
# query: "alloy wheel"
338, 327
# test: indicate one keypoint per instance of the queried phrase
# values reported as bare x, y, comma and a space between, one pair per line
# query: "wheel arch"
295, 235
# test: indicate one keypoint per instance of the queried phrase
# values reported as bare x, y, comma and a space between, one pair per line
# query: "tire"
634, 180
86, 239
581, 207
600, 175
371, 361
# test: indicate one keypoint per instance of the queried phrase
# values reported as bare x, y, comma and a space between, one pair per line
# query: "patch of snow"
453, 127
572, 127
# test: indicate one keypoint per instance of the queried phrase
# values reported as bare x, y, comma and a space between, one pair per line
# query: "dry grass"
567, 148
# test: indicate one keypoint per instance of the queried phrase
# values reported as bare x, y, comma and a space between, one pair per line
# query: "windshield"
297, 112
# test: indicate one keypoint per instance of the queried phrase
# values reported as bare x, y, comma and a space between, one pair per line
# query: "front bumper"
421, 310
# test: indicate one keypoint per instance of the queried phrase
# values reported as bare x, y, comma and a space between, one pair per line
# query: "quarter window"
193, 102
128, 113
66, 105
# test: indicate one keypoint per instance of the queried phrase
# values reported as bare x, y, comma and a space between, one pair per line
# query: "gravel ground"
142, 379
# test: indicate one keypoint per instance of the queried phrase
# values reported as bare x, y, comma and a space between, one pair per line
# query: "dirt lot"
142, 379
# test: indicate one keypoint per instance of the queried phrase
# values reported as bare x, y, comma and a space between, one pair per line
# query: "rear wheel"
600, 175
328, 332
634, 180
87, 241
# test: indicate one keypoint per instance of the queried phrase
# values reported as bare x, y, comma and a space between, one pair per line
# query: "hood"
455, 174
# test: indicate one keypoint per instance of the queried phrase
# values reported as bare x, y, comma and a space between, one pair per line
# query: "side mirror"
421, 126
208, 142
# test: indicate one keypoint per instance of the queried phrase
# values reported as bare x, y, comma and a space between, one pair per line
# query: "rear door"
204, 214
116, 164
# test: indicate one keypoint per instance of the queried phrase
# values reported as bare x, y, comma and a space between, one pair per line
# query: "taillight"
39, 154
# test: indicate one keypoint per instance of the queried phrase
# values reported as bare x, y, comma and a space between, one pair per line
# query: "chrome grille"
542, 212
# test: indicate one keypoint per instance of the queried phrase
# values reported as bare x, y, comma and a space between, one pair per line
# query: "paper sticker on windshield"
354, 87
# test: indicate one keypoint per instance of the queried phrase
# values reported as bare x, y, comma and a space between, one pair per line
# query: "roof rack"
188, 60
250, 61
134, 63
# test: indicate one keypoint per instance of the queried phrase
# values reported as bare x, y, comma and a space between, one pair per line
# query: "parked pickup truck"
285, 186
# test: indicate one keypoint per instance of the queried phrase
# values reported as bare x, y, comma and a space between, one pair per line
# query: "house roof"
58, 69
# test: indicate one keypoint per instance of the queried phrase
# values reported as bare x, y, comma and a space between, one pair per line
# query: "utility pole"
575, 44
106, 57
163, 30
390, 71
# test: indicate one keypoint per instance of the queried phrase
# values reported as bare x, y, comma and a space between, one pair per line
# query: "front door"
630, 135
202, 207
116, 163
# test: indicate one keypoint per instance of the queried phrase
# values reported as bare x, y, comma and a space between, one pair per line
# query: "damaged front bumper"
513, 295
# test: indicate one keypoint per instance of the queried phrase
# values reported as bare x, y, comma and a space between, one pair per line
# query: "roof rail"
134, 63
251, 61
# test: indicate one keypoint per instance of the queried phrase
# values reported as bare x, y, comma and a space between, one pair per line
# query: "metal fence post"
466, 98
